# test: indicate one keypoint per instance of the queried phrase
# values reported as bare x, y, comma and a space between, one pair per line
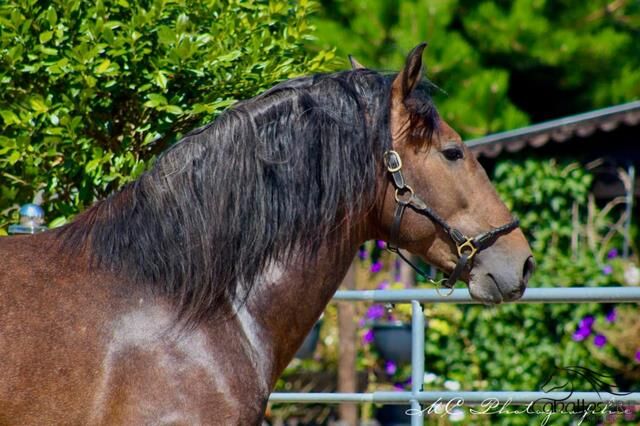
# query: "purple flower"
362, 253
599, 340
367, 337
607, 270
375, 312
390, 368
638, 355
611, 316
398, 386
613, 253
361, 323
581, 334
584, 328
381, 244
586, 322
376, 267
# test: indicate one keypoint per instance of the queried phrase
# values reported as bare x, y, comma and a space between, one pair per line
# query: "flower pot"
392, 340
393, 415
308, 347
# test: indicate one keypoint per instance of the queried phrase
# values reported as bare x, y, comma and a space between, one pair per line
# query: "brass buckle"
467, 245
386, 161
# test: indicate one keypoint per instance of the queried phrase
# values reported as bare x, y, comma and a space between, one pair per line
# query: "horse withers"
181, 298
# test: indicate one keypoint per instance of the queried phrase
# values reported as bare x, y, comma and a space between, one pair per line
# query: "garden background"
91, 92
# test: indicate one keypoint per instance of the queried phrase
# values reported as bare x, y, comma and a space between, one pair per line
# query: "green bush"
90, 92
500, 63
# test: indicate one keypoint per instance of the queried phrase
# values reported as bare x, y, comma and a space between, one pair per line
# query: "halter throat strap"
405, 197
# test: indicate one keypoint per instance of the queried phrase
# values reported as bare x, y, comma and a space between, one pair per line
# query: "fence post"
347, 335
417, 361
630, 189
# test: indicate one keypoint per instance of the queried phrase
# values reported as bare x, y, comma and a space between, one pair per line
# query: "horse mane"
273, 175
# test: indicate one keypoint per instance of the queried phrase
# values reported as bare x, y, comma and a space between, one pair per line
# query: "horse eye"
453, 154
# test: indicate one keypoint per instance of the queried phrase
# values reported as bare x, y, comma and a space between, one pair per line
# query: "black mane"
274, 173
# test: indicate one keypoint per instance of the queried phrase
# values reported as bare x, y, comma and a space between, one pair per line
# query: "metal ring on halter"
438, 284
402, 199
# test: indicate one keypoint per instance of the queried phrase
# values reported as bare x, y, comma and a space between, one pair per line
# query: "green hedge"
90, 92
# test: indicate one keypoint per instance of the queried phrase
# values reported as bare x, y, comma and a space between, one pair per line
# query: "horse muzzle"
494, 279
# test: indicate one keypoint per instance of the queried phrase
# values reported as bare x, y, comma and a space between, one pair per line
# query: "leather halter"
467, 247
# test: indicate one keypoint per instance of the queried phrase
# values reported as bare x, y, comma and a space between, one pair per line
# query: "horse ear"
355, 65
411, 75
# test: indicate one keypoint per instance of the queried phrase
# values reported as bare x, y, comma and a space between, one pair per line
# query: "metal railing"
417, 396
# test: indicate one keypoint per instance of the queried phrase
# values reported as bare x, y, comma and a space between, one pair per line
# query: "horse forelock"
273, 175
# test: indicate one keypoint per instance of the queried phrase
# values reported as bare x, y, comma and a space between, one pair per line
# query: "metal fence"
417, 396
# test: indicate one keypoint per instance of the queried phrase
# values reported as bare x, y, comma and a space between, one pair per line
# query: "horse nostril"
527, 270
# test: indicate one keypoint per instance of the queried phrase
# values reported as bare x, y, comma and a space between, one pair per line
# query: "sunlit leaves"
90, 92
579, 54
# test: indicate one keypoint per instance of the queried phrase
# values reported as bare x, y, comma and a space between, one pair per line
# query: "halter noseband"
467, 247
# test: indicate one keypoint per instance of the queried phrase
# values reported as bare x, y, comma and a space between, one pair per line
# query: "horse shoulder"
154, 373
87, 347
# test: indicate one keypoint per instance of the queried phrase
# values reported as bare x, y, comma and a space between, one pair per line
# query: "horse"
181, 298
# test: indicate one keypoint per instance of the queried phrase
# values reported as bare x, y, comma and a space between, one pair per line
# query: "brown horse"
181, 298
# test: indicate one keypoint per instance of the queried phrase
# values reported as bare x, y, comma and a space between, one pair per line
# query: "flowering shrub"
616, 336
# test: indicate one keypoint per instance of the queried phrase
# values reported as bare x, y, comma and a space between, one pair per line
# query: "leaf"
9, 117
160, 79
48, 50
166, 35
38, 105
46, 36
92, 165
231, 56
103, 66
155, 99
13, 158
52, 16
58, 221
223, 103
174, 109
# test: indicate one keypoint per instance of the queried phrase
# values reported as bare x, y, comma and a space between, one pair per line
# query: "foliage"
499, 63
90, 92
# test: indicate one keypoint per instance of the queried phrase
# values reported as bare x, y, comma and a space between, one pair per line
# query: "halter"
467, 247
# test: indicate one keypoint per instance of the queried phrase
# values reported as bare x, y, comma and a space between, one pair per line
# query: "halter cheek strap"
405, 197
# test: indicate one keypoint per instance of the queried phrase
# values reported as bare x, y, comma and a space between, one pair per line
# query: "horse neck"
289, 298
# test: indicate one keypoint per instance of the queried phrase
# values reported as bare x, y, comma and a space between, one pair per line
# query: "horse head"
437, 202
